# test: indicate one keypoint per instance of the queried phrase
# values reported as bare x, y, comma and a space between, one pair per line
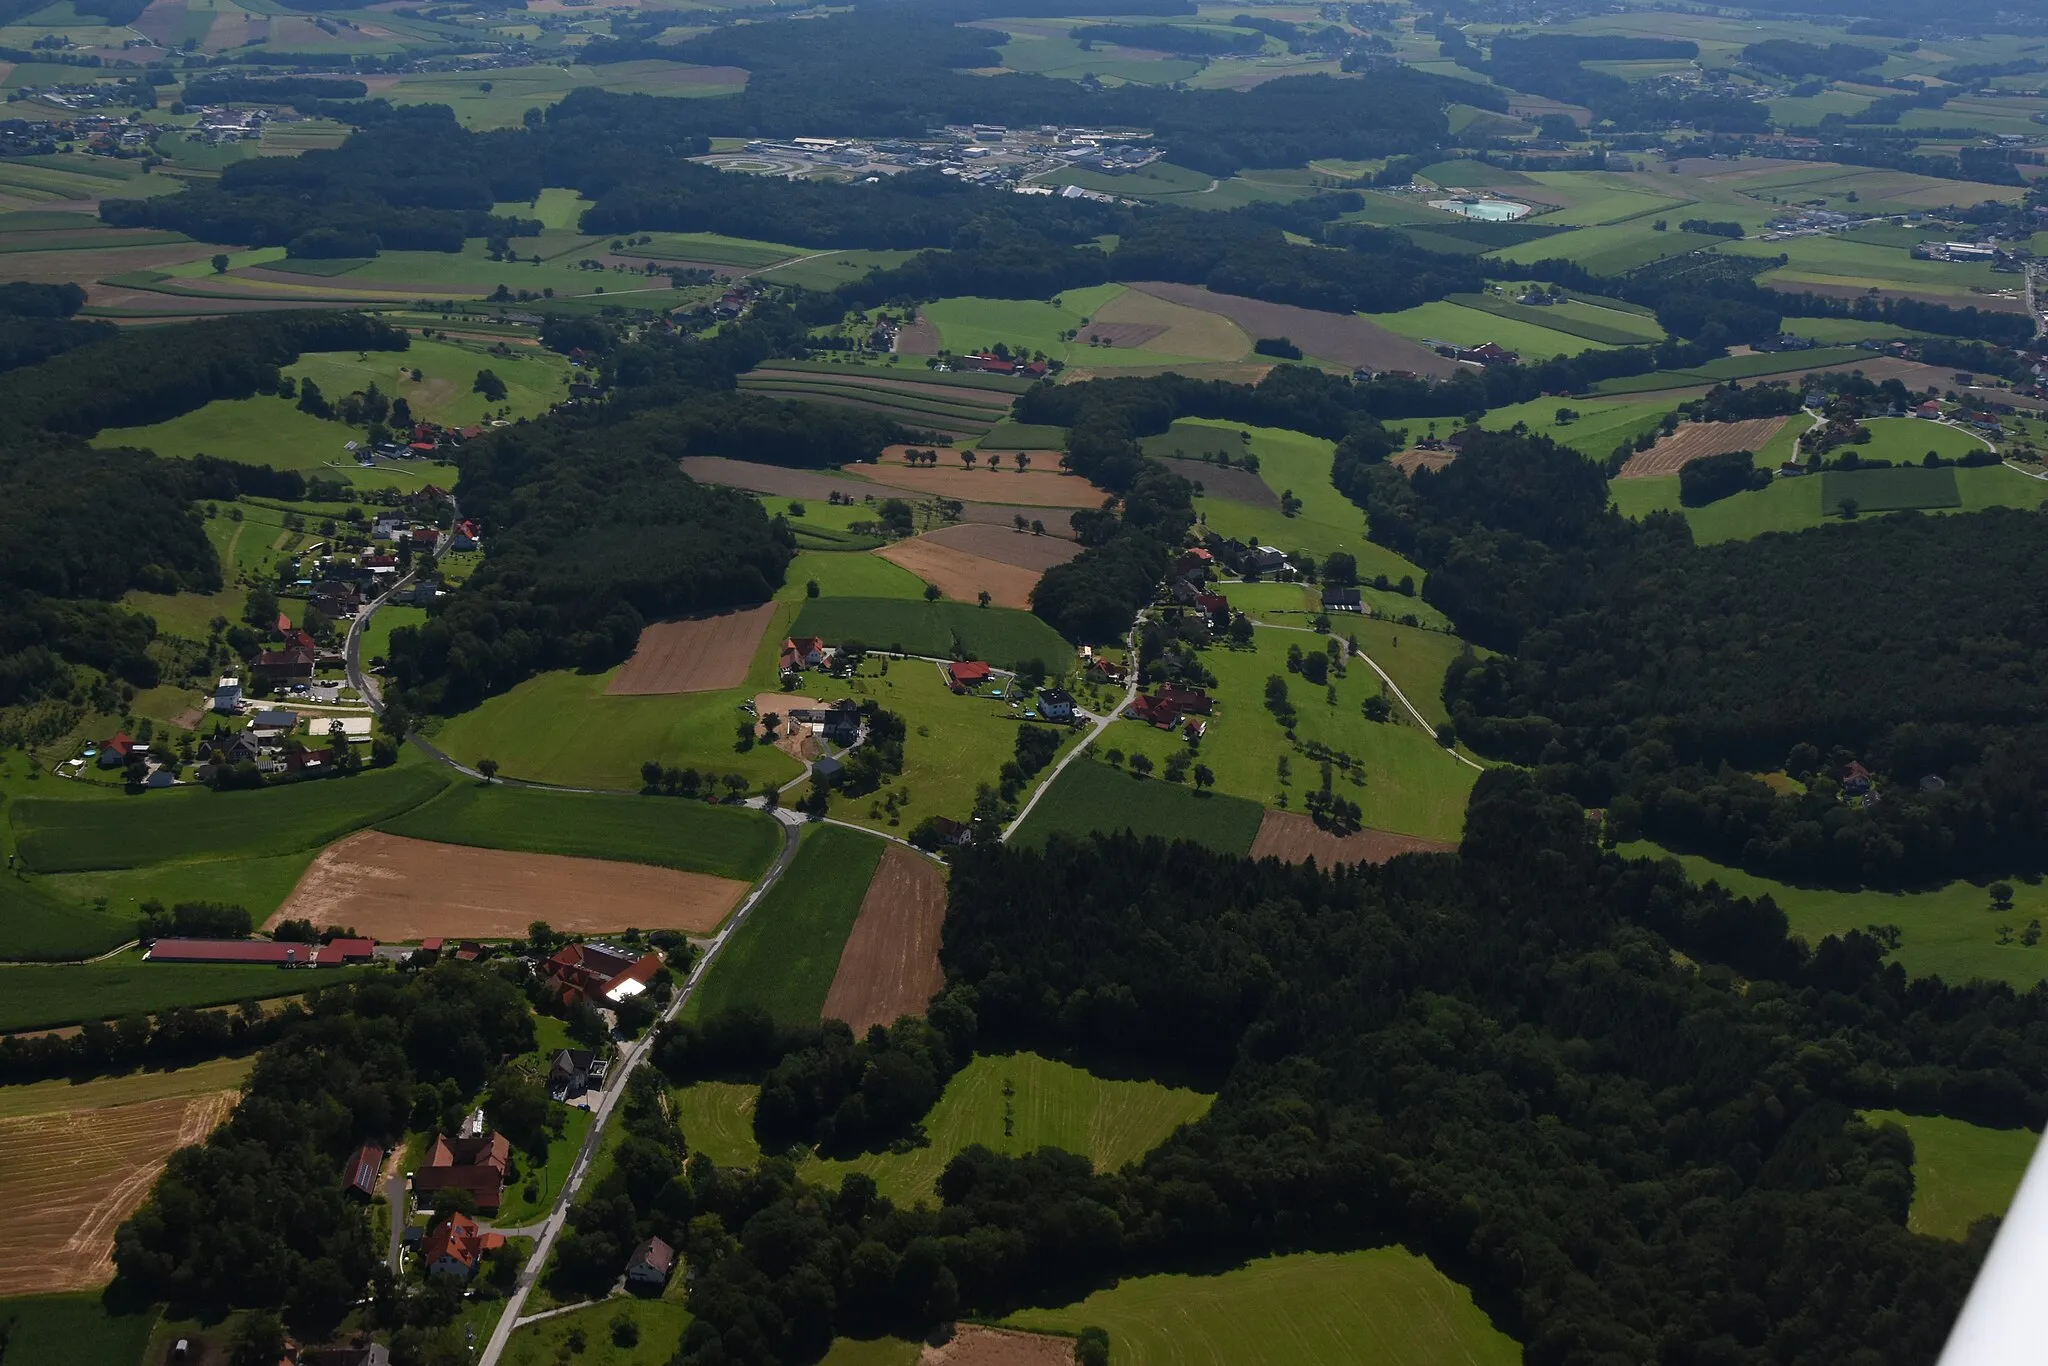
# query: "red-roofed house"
802, 652
599, 972
1186, 699
337, 953
1155, 711
966, 673
476, 1165
114, 753
456, 1247
259, 951
1216, 607
296, 662
359, 1177
284, 625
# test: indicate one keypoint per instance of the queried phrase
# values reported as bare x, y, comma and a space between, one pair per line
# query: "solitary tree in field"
931, 592
1205, 777
1141, 764
1023, 461
994, 460
984, 598
967, 459
487, 767
1037, 527
1018, 518
220, 263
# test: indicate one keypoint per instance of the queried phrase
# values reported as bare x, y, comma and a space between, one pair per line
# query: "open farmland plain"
699, 654
395, 889
1343, 340
1698, 440
83, 1157
1308, 1309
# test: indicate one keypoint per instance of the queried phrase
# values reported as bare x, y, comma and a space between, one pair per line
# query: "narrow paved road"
1427, 725
394, 1196
1097, 725
615, 1089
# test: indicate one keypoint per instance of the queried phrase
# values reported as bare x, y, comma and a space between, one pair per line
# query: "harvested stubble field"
700, 654
890, 965
1293, 838
964, 577
395, 889
1418, 459
1027, 488
84, 1157
975, 1346
1344, 338
1006, 547
1171, 327
1698, 440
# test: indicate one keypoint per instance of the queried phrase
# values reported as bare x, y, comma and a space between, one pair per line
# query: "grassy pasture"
845, 574
63, 1330
1023, 436
1601, 424
1051, 1104
376, 642
1458, 325
182, 827
718, 1120
695, 836
1611, 250
1606, 326
500, 97
1961, 1171
38, 925
1307, 1309
1948, 931
258, 885
1090, 797
661, 1325
831, 269
46, 997
1795, 504
1002, 636
783, 957
1890, 490
546, 1177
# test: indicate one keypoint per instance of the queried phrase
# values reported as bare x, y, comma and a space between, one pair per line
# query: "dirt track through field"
964, 577
973, 1346
890, 965
396, 889
1698, 440
701, 654
1293, 838
1344, 338
74, 1175
1010, 546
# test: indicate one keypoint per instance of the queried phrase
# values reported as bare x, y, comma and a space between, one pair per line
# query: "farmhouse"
963, 674
292, 662
650, 1264
359, 1177
275, 952
838, 723
476, 1164
569, 1075
114, 753
802, 652
1342, 600
1216, 608
1165, 708
227, 695
1056, 704
456, 1247
599, 972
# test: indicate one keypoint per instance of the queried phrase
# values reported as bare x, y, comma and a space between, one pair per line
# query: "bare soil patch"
1058, 521
920, 338
890, 965
74, 1175
1006, 546
1410, 461
1698, 440
1041, 488
996, 401
974, 1346
1293, 838
1344, 338
1123, 334
699, 654
964, 577
397, 889
1220, 481
792, 739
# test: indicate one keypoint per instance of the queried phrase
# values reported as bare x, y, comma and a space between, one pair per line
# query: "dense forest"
37, 322
1493, 1057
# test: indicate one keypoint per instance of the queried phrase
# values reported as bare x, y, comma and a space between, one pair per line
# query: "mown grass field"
1795, 504
1949, 931
192, 826
783, 957
544, 1179
1961, 1172
848, 574
376, 642
45, 997
1021, 1102
695, 836
1309, 1309
1002, 636
1444, 322
1090, 797
1601, 424
258, 885
718, 1120
660, 1325
67, 1330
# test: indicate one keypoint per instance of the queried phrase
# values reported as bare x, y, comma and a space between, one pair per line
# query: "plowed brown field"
972, 1346
1293, 838
964, 577
1008, 546
1036, 487
1223, 481
702, 654
890, 965
79, 1167
396, 889
1698, 440
1344, 338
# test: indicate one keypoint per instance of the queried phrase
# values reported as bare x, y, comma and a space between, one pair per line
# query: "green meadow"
1796, 504
376, 641
1456, 325
1089, 797
969, 324
1018, 1103
784, 955
1307, 1309
1599, 426
672, 832
846, 574
1949, 931
47, 996
65, 1330
1961, 1171
38, 924
1000, 635
586, 1335
718, 1121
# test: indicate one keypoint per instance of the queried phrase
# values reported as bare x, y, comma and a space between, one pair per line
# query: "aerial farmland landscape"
1017, 683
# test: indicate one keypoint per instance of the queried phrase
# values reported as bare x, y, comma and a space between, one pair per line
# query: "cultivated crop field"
786, 953
82, 1158
1443, 322
1698, 440
890, 965
1293, 838
963, 577
1309, 1309
701, 654
1345, 340
1020, 1102
1961, 1171
998, 635
723, 841
1039, 486
394, 889
1890, 490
